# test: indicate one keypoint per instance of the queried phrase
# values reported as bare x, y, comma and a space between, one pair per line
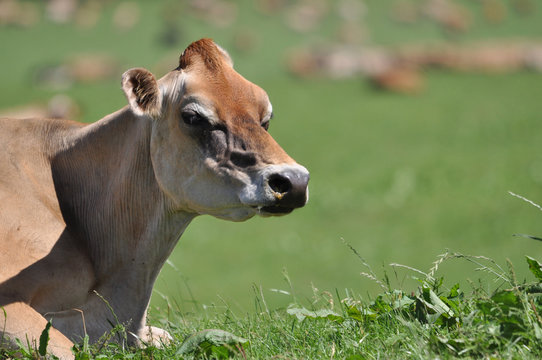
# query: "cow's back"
31, 222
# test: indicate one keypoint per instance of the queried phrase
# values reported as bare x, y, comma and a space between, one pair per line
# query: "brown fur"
207, 51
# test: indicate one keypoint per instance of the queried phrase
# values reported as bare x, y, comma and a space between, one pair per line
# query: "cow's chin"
236, 214
267, 211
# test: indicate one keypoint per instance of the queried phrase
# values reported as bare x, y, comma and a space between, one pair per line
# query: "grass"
433, 319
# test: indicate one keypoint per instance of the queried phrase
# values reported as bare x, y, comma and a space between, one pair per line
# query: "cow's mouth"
276, 210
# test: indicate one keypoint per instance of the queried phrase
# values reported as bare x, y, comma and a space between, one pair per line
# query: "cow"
90, 213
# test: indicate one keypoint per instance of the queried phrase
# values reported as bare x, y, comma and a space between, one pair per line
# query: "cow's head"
210, 148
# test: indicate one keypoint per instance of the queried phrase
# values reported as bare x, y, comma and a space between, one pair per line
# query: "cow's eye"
192, 118
265, 123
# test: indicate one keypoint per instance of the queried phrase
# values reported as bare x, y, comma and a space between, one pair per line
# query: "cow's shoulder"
30, 217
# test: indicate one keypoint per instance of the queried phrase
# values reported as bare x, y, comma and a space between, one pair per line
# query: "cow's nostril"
288, 188
279, 184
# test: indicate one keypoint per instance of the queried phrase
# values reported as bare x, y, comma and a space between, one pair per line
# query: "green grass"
432, 319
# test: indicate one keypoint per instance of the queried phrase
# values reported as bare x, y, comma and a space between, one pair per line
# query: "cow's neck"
110, 199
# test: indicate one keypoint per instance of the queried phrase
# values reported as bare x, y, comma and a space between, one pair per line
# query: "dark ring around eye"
192, 118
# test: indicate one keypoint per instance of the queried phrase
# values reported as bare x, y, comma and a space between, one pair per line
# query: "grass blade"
44, 339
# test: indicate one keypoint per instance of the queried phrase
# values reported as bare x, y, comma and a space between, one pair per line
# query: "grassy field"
439, 320
399, 178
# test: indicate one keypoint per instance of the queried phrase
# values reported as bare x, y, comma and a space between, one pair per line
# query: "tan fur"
91, 212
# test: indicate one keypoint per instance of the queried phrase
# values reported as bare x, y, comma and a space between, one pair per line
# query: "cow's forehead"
229, 95
209, 76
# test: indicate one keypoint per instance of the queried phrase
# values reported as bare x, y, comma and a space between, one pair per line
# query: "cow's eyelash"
193, 118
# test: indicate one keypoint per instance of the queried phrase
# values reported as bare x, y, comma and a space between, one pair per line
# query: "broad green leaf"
453, 304
535, 267
354, 312
485, 307
44, 339
212, 343
302, 314
380, 305
439, 305
506, 299
425, 293
403, 302
433, 318
431, 308
454, 291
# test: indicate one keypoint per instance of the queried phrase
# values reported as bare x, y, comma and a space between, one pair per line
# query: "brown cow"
90, 213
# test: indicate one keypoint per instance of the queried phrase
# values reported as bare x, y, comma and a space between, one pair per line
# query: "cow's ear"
142, 92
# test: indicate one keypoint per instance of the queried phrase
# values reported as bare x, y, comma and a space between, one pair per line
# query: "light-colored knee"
153, 336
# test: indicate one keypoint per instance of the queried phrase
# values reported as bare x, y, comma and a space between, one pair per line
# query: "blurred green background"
400, 176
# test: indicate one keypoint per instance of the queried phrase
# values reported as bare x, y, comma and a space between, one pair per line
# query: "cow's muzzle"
288, 187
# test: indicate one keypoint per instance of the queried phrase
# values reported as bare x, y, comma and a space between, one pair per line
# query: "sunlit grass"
498, 317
